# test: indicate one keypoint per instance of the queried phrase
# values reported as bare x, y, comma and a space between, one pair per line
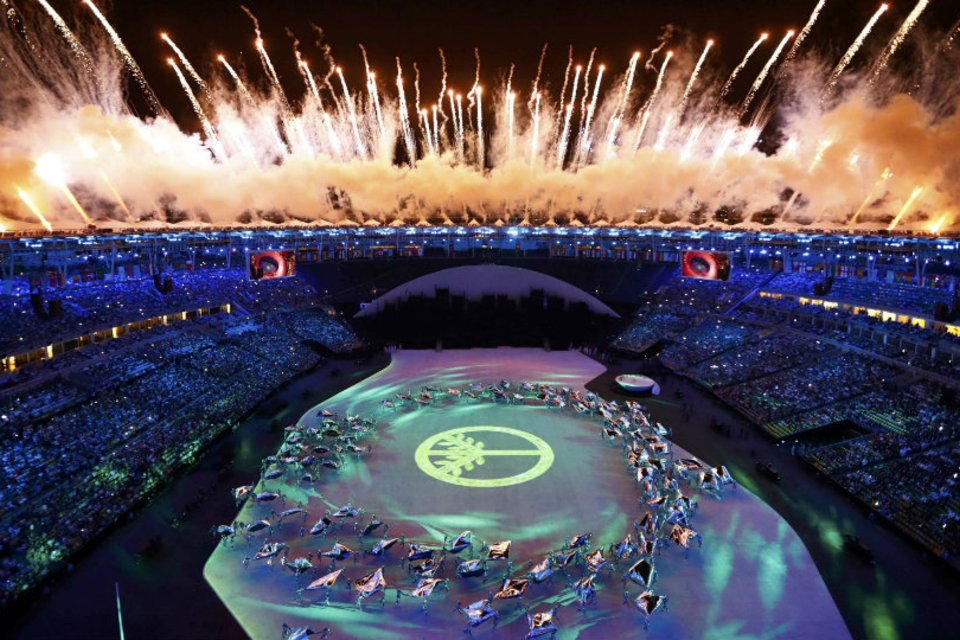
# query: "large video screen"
705, 265
265, 265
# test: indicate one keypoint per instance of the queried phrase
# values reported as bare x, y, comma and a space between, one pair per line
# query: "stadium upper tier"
19, 251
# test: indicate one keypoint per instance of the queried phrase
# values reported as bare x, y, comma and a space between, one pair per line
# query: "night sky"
504, 32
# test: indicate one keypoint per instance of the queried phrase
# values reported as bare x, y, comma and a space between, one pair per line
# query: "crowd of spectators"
895, 435
91, 307
879, 294
682, 302
711, 337
769, 352
87, 435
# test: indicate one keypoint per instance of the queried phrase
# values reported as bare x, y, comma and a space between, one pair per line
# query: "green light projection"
452, 456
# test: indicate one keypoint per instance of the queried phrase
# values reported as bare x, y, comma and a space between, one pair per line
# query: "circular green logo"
452, 455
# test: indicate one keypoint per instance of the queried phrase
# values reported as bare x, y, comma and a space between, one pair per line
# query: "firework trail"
562, 141
116, 194
898, 39
536, 80
453, 117
614, 125
692, 140
661, 142
886, 175
511, 108
951, 35
535, 139
480, 150
424, 121
563, 90
693, 80
268, 67
586, 92
405, 116
183, 60
460, 132
743, 63
907, 206
49, 169
763, 74
936, 226
127, 59
236, 78
583, 143
852, 51
27, 200
645, 111
790, 203
436, 134
374, 94
204, 121
628, 83
327, 122
805, 31
562, 145
68, 35
473, 88
351, 110
443, 89
416, 86
822, 148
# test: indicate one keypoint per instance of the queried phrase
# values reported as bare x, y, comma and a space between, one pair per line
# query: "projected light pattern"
449, 455
760, 584
676, 141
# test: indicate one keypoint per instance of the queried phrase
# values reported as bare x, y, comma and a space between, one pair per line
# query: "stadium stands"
86, 435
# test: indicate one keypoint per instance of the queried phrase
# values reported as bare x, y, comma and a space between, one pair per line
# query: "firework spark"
898, 39
854, 48
743, 63
763, 74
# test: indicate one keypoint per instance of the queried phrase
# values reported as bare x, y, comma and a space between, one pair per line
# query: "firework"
886, 175
645, 111
805, 31
480, 151
854, 48
898, 39
535, 138
68, 35
693, 80
208, 129
361, 151
743, 63
252, 141
27, 200
907, 207
938, 224
49, 169
184, 61
763, 74
128, 60
116, 195
236, 78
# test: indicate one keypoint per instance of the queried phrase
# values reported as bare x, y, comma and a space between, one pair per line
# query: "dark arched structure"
487, 305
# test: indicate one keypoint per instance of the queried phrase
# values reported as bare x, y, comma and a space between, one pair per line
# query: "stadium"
500, 320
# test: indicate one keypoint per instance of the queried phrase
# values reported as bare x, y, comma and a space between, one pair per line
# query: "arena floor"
752, 578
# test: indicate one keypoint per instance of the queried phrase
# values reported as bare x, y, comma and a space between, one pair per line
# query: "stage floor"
752, 578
